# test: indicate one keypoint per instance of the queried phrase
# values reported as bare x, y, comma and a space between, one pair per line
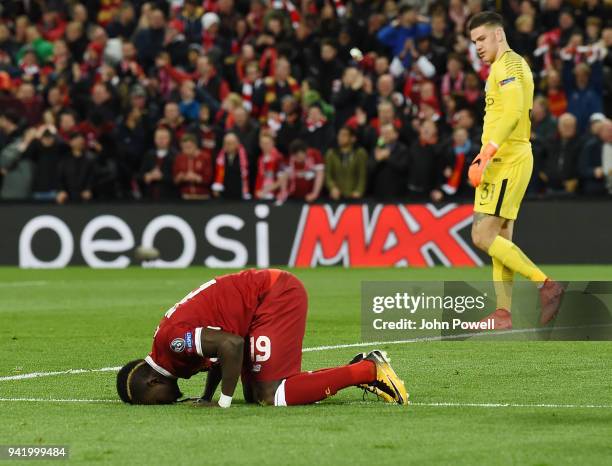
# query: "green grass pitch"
86, 319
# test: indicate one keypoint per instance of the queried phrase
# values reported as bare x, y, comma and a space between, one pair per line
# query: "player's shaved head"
139, 384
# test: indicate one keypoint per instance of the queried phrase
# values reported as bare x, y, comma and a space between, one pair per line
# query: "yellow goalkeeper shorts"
503, 187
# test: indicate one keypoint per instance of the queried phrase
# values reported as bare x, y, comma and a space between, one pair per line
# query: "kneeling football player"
249, 325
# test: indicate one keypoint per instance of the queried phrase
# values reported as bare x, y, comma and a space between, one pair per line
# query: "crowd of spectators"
280, 99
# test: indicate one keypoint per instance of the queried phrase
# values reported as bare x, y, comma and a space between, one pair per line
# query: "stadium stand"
191, 99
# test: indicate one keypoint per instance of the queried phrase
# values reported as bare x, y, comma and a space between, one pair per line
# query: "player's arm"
213, 379
511, 94
510, 85
229, 349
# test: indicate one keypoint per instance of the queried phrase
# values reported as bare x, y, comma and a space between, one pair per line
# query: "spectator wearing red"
270, 170
52, 26
453, 79
428, 98
557, 99
305, 172
192, 170
232, 170
108, 10
213, 41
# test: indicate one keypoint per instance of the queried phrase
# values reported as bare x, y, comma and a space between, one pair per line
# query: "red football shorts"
274, 344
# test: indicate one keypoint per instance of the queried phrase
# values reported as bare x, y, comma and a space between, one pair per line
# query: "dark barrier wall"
240, 234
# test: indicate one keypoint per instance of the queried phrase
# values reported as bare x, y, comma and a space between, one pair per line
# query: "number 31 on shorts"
261, 348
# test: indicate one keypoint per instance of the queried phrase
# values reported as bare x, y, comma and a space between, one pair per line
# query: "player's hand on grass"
203, 403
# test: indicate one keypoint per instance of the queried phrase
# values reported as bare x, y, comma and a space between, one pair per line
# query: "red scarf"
449, 85
454, 181
290, 9
268, 167
313, 126
218, 185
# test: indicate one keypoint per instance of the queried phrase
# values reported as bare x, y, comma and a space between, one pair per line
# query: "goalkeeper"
502, 170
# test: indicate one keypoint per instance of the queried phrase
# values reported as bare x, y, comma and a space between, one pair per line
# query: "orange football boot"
502, 319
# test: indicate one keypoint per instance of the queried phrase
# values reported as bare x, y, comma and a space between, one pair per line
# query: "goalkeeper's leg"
503, 277
486, 235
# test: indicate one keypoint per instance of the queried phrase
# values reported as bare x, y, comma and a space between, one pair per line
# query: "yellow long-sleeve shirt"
509, 100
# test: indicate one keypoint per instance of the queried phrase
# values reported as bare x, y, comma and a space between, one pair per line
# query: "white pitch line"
420, 405
26, 283
34, 375
506, 405
453, 337
60, 400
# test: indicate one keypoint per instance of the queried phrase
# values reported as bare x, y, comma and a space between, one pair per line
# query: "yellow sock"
512, 257
503, 279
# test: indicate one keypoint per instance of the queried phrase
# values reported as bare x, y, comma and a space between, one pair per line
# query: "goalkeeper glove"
480, 163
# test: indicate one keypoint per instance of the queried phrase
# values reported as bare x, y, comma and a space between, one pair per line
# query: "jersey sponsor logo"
387, 235
507, 81
189, 341
177, 345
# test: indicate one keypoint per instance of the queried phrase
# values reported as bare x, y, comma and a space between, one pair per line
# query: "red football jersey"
302, 174
201, 164
227, 303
